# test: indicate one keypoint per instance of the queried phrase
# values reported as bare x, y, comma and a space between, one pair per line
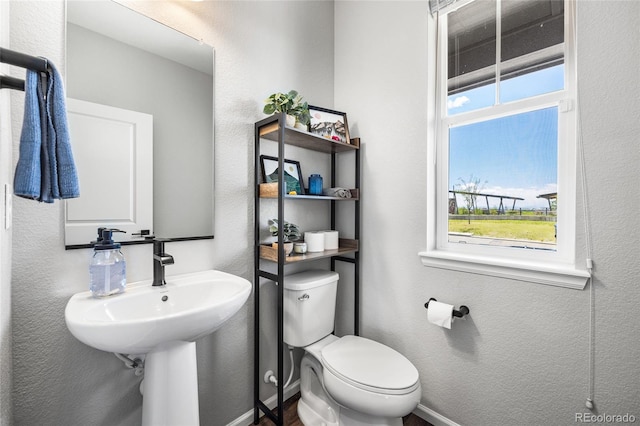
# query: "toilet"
346, 381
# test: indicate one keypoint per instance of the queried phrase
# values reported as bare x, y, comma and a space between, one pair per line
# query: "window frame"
539, 266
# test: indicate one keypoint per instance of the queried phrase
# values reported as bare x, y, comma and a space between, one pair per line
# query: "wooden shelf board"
313, 197
346, 246
270, 190
307, 140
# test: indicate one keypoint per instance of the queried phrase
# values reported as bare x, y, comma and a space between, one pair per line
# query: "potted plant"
291, 233
291, 104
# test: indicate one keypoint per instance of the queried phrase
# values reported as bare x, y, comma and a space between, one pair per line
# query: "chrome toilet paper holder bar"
456, 313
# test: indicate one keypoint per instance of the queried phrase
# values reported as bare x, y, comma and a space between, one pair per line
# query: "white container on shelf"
331, 240
315, 241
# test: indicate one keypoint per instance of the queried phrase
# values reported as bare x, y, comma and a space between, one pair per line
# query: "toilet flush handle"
303, 297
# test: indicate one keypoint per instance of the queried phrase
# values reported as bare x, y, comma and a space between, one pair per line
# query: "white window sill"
542, 273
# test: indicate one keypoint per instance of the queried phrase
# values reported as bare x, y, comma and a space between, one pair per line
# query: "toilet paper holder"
456, 313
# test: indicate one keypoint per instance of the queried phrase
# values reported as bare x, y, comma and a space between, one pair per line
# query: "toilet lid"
369, 363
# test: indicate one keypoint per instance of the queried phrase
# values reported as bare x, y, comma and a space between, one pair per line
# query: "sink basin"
190, 306
163, 323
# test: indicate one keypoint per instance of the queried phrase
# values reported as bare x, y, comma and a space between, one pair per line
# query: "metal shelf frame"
274, 128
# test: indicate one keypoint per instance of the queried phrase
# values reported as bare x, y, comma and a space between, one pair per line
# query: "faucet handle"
159, 254
164, 258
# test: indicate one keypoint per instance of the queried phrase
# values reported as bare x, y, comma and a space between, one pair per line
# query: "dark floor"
291, 415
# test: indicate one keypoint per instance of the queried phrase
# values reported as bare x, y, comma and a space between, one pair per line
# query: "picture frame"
294, 181
329, 124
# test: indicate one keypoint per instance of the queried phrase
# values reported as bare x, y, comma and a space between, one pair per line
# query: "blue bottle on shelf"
315, 184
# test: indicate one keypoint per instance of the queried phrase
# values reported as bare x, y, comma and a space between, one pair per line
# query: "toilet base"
346, 417
309, 417
354, 418
317, 408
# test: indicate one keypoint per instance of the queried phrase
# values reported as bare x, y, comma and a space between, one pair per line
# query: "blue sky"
516, 155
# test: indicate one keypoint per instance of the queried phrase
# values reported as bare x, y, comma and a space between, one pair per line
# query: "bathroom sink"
190, 306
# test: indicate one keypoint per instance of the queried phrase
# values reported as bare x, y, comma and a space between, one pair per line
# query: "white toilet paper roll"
440, 314
331, 240
315, 241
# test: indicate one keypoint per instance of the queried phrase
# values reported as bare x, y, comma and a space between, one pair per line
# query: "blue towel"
45, 170
27, 180
64, 177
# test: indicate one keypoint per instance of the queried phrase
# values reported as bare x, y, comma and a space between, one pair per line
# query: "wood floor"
291, 415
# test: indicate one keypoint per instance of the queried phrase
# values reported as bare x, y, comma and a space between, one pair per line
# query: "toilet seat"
370, 366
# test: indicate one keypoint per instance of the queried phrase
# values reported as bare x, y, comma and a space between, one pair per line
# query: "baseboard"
433, 417
247, 418
426, 413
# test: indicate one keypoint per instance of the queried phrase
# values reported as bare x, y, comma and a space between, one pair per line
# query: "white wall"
5, 235
522, 355
261, 47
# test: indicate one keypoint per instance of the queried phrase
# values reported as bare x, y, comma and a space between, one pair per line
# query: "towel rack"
456, 313
19, 60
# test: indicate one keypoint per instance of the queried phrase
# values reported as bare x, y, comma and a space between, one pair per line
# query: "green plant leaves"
290, 103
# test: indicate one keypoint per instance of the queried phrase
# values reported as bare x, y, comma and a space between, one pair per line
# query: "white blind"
436, 5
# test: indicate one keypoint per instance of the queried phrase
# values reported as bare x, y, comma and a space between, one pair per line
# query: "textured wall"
522, 356
254, 58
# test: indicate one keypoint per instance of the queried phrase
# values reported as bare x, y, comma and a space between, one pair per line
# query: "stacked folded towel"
337, 192
45, 170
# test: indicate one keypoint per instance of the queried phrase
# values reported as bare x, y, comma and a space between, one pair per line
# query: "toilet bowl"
350, 380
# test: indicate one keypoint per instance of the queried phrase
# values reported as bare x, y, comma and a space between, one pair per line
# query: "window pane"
470, 100
503, 181
536, 83
532, 48
471, 55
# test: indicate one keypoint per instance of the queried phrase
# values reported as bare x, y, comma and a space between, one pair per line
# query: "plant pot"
291, 120
288, 247
301, 126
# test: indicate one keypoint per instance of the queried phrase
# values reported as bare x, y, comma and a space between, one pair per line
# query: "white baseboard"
247, 418
433, 417
426, 413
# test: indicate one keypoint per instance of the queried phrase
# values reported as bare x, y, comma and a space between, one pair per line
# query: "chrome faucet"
160, 259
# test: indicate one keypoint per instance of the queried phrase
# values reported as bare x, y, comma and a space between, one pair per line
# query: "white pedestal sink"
163, 323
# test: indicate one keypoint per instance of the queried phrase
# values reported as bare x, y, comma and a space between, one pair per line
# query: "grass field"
512, 229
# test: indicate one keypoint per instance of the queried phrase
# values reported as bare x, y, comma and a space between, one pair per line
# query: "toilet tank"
309, 306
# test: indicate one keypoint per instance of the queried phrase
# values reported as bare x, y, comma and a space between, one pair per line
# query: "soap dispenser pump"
107, 269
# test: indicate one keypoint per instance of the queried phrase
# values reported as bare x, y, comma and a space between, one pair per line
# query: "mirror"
121, 60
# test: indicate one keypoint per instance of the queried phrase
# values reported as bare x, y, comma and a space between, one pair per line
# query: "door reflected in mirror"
119, 60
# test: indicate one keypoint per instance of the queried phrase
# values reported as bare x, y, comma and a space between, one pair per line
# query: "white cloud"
530, 195
457, 102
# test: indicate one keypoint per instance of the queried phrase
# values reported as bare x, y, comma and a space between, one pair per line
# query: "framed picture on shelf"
292, 173
329, 124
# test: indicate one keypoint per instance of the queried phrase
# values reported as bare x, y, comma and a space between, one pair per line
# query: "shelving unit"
274, 129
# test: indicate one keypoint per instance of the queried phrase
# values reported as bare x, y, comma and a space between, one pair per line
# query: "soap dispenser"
107, 269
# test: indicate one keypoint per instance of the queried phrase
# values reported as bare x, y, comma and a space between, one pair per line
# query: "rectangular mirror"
123, 64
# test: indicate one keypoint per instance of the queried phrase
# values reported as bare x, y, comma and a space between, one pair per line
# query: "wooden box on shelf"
269, 190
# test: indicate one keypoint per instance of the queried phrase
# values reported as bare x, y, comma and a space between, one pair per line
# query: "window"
504, 141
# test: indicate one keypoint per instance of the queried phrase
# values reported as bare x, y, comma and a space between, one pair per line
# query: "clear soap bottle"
107, 269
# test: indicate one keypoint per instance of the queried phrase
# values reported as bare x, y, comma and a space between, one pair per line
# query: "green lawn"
513, 229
